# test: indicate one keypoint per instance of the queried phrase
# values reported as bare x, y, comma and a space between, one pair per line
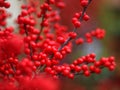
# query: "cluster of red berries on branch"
42, 43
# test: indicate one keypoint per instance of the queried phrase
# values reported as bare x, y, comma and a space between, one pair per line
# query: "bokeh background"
104, 14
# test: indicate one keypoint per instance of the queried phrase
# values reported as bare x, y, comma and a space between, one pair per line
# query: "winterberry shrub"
42, 43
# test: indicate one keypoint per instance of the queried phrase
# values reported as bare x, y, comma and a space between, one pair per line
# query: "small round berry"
86, 17
71, 76
7, 4
72, 35
84, 67
97, 70
58, 55
111, 67
87, 73
78, 68
79, 41
66, 72
77, 24
84, 3
61, 40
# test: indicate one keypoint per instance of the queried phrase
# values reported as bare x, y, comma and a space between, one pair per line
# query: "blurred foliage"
110, 19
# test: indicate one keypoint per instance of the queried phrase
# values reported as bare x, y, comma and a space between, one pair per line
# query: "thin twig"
43, 18
26, 32
74, 30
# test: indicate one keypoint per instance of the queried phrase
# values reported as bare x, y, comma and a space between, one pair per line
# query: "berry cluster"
78, 17
3, 16
42, 43
25, 83
85, 65
4, 3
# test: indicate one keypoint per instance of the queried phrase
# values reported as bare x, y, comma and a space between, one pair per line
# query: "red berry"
86, 17
84, 3
72, 35
79, 41
87, 73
